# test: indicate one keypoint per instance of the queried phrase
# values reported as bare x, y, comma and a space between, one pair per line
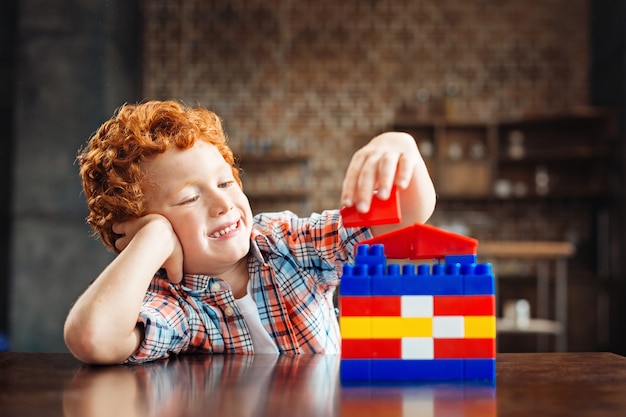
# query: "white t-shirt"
261, 340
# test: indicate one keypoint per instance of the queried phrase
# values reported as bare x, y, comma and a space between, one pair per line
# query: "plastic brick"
464, 348
422, 241
356, 327
480, 327
354, 282
356, 370
464, 305
424, 370
480, 369
398, 327
371, 348
380, 212
364, 305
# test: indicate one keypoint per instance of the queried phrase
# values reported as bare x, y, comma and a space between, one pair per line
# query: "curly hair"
110, 163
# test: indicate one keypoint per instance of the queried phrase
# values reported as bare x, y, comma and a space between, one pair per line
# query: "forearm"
102, 325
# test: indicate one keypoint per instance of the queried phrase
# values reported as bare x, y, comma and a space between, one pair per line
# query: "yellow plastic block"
399, 327
480, 327
355, 327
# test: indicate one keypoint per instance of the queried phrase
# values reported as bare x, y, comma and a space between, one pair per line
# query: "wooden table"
533, 384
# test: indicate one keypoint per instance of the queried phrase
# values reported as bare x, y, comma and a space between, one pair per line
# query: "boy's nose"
220, 206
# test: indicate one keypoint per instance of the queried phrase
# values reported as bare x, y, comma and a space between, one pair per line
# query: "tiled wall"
326, 75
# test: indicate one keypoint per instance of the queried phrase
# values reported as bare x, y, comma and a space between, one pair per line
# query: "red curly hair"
110, 163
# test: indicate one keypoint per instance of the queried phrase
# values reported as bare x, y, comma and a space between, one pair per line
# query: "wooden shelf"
277, 181
537, 326
467, 159
525, 250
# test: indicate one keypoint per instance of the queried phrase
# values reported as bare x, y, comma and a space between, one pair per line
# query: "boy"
195, 271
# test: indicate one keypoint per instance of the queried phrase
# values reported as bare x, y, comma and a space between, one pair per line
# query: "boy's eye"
190, 200
225, 184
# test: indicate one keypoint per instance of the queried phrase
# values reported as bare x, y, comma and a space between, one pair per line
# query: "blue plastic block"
417, 370
460, 259
480, 282
459, 274
356, 370
354, 281
440, 282
390, 283
480, 369
370, 255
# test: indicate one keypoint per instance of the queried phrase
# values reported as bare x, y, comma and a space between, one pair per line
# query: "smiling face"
196, 191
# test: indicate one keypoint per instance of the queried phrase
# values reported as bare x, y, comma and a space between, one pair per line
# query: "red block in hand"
381, 212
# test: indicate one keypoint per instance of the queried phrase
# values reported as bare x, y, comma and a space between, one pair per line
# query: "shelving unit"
276, 181
570, 151
561, 155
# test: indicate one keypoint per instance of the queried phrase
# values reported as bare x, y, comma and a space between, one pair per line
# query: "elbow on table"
93, 347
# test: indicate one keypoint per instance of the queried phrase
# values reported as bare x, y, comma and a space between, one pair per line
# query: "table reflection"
258, 385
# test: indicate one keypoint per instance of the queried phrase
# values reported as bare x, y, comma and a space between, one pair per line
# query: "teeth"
225, 230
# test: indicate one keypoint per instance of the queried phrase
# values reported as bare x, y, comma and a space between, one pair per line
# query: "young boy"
195, 271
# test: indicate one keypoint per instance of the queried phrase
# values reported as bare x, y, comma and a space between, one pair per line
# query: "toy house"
416, 322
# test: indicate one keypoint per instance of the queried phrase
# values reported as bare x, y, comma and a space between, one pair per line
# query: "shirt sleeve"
333, 242
320, 243
172, 325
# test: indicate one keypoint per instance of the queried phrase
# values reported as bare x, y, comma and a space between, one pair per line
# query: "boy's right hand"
153, 228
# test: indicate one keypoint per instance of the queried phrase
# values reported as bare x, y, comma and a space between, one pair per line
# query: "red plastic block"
422, 241
379, 305
381, 212
386, 306
464, 305
465, 348
355, 305
371, 348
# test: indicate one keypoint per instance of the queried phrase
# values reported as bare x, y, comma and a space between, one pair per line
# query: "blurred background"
517, 105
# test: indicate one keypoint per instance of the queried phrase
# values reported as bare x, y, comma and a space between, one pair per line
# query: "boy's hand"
153, 228
388, 159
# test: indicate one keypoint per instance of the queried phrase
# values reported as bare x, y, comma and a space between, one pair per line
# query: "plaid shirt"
294, 270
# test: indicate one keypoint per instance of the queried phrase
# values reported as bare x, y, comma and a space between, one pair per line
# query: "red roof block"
422, 241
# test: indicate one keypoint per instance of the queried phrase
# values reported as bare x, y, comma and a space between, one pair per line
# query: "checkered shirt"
294, 270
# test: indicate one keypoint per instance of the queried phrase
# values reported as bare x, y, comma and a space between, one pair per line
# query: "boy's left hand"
389, 159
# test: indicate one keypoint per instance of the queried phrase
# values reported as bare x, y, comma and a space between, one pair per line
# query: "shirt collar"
201, 282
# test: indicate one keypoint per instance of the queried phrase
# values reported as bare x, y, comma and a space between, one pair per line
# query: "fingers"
404, 171
387, 160
153, 224
386, 172
122, 240
372, 173
351, 179
121, 243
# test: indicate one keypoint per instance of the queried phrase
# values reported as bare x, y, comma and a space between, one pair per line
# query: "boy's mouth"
225, 231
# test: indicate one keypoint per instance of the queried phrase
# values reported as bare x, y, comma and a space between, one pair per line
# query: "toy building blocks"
401, 323
381, 212
416, 322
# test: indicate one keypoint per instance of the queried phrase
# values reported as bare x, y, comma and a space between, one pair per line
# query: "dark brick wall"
330, 74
